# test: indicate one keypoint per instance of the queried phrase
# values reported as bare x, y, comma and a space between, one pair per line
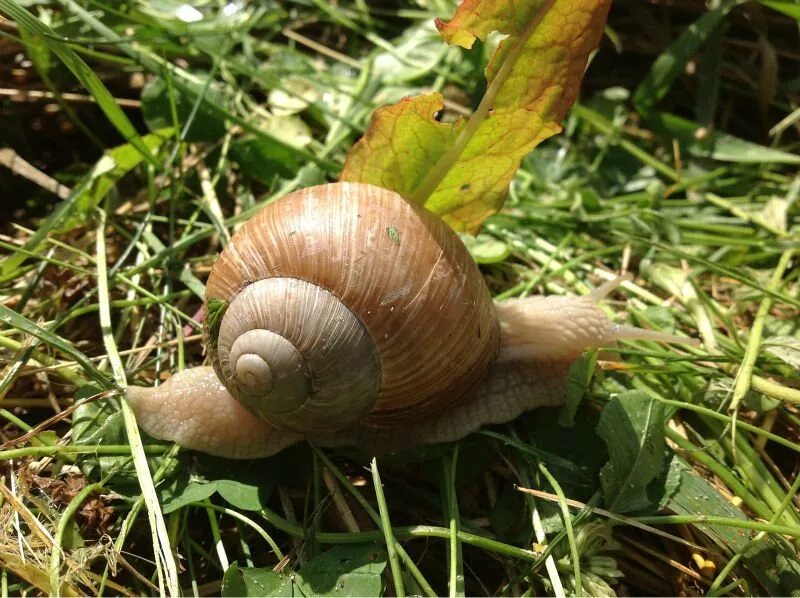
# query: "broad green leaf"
574, 455
578, 380
157, 106
349, 570
785, 348
476, 19
791, 9
509, 517
244, 484
353, 570
82, 72
771, 567
486, 249
112, 166
263, 158
632, 426
400, 145
100, 423
249, 581
462, 170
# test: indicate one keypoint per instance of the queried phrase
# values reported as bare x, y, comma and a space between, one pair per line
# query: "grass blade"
161, 544
82, 72
386, 525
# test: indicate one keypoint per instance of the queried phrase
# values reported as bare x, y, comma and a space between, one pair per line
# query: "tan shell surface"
401, 270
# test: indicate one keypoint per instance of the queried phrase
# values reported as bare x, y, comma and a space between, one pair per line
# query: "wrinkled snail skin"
194, 409
345, 315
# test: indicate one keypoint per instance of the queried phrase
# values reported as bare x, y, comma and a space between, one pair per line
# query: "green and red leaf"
462, 171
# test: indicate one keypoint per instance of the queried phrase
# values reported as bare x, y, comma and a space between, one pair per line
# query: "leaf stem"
443, 165
402, 533
744, 376
785, 530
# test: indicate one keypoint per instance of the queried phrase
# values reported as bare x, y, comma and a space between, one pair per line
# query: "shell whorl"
295, 355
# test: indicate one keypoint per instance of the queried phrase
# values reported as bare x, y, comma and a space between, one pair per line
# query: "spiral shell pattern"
310, 367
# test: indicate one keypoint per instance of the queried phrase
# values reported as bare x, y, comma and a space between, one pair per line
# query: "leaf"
578, 380
100, 423
486, 249
632, 426
785, 348
111, 167
350, 570
400, 144
476, 19
771, 565
292, 97
246, 485
206, 125
791, 9
250, 581
263, 158
462, 170
574, 455
509, 517
345, 571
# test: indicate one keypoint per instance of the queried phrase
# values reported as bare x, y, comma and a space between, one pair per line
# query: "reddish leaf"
462, 171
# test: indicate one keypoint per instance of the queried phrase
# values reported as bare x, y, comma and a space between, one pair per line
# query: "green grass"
679, 165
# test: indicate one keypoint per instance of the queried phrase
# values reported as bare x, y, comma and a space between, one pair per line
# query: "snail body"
345, 314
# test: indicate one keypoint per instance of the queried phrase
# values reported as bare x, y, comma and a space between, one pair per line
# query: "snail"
346, 315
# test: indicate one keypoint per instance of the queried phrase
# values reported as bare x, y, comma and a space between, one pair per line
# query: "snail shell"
344, 304
346, 315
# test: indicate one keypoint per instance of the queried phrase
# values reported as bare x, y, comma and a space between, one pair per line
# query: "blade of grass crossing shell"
573, 546
82, 72
386, 525
744, 375
161, 545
